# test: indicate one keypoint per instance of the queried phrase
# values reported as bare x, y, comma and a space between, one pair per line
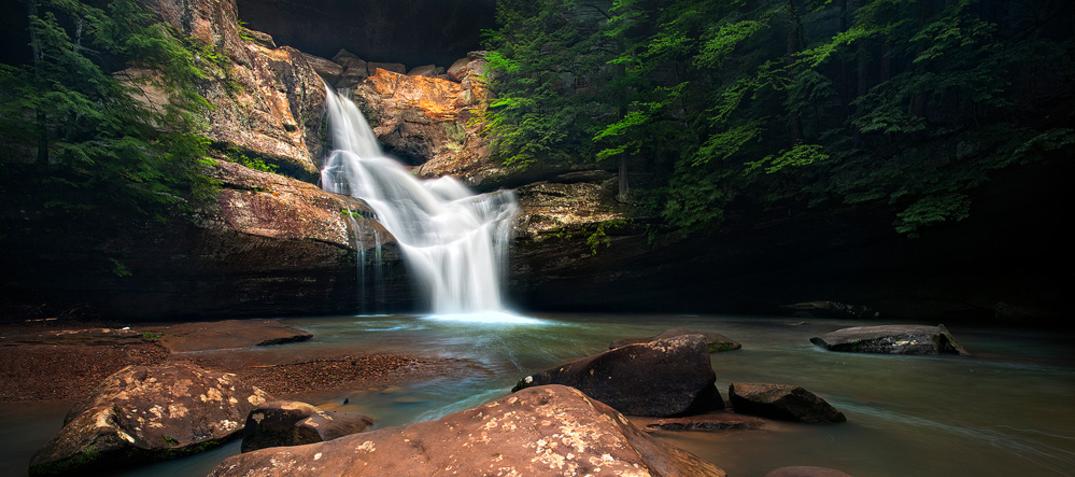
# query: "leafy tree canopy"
913, 104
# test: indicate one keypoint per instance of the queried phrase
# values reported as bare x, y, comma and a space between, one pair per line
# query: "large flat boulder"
147, 413
543, 431
715, 341
891, 339
293, 423
226, 334
665, 377
782, 401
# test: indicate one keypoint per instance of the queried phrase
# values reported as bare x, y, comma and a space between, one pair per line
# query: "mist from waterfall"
454, 241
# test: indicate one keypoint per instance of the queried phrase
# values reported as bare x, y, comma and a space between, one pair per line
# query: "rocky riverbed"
402, 370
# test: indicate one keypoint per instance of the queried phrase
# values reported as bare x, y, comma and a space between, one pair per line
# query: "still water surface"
1005, 411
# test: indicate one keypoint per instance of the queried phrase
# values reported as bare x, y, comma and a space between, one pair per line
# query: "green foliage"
599, 238
119, 269
152, 337
911, 105
256, 163
80, 133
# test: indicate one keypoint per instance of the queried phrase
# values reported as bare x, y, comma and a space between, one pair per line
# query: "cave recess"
413, 32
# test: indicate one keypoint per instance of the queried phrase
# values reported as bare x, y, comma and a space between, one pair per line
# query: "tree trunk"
40, 118
623, 187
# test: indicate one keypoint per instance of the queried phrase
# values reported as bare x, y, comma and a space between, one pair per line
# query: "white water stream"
454, 241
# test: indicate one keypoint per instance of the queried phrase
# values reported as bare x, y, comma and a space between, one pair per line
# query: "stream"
1004, 411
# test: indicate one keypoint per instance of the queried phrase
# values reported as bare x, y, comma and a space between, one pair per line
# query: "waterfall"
453, 240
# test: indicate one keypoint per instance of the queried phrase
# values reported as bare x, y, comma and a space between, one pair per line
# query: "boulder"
354, 69
781, 401
806, 471
259, 37
329, 70
392, 67
426, 70
665, 377
293, 423
715, 341
892, 339
544, 431
467, 67
147, 413
226, 334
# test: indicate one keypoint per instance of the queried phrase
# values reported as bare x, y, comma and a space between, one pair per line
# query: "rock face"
715, 341
268, 102
781, 401
892, 339
269, 245
293, 423
426, 120
665, 377
545, 431
145, 413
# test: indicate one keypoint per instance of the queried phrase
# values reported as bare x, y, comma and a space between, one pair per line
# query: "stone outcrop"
226, 334
147, 413
781, 401
891, 339
268, 102
715, 341
426, 120
293, 423
268, 245
544, 431
665, 377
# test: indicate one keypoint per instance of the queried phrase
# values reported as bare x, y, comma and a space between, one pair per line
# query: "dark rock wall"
414, 32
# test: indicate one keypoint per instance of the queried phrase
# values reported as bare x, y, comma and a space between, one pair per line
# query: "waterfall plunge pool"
1003, 411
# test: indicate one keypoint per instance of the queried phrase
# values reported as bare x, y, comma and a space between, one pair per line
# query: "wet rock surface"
665, 377
427, 120
200, 336
806, 471
146, 413
543, 431
716, 342
292, 423
716, 421
831, 309
892, 339
782, 401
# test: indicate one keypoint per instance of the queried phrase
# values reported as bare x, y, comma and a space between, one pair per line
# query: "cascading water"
454, 241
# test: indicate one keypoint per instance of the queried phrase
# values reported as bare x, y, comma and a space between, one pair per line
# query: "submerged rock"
781, 401
715, 341
806, 471
544, 431
709, 422
892, 339
147, 413
293, 423
665, 377
831, 309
